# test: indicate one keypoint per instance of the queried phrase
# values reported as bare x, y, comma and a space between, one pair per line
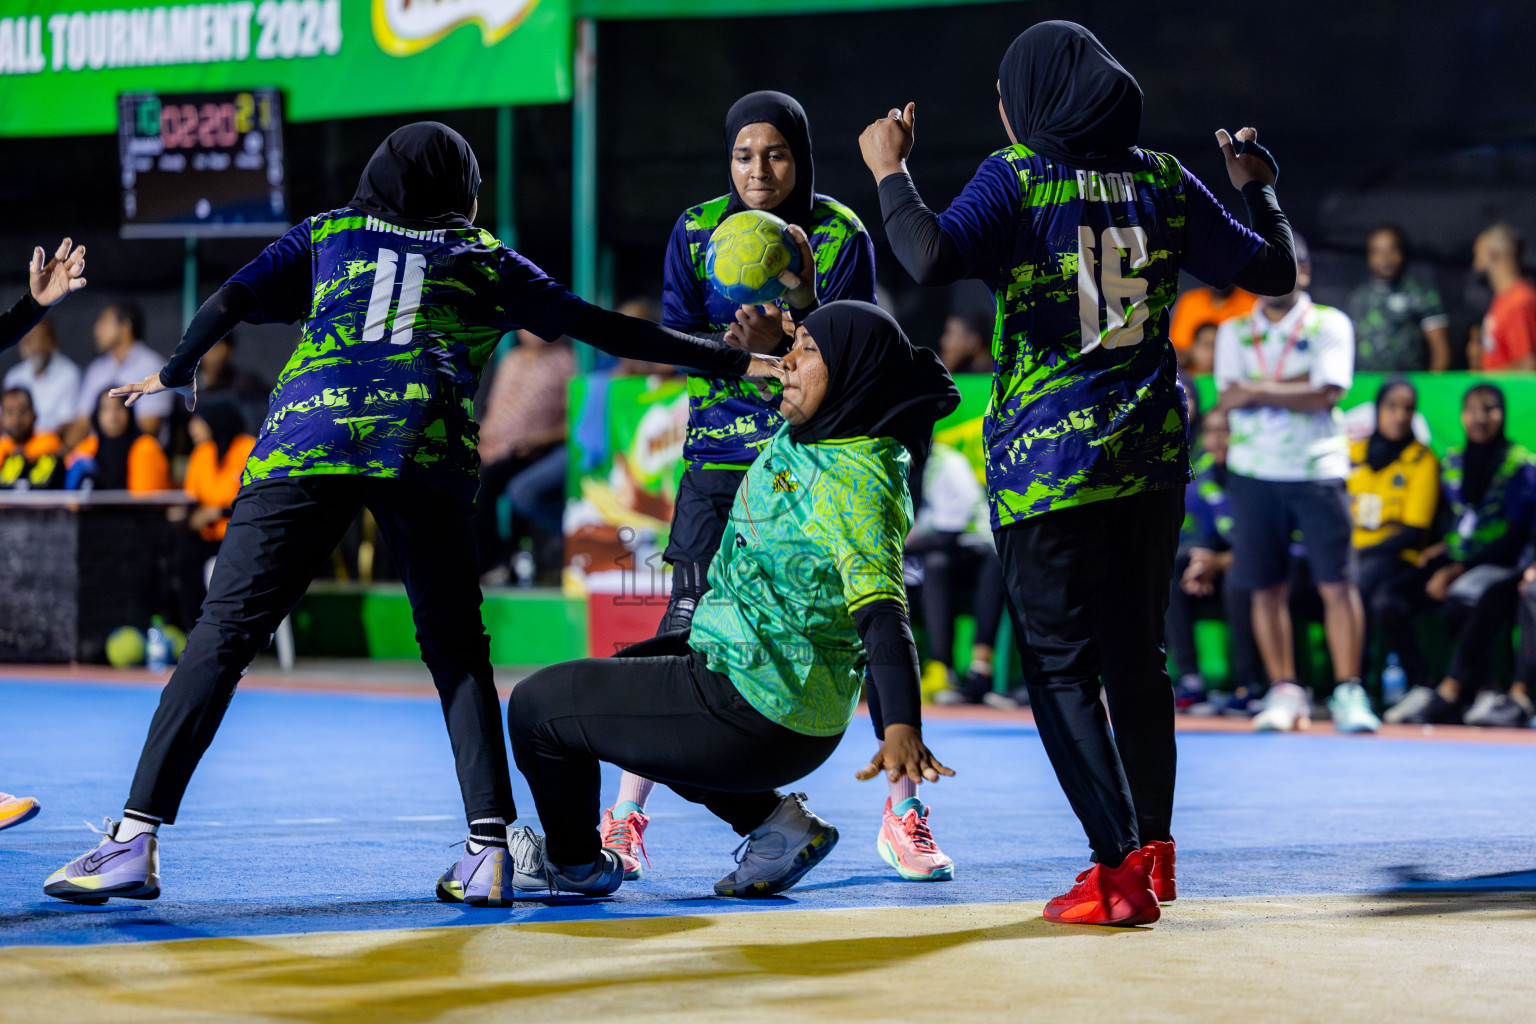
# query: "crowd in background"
1416, 567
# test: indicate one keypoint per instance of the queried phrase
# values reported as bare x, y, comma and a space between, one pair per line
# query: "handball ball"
746, 254
125, 646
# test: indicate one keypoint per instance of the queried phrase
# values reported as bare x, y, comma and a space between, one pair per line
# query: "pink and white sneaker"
906, 844
626, 837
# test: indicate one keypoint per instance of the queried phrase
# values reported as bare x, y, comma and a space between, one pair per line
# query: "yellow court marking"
1381, 959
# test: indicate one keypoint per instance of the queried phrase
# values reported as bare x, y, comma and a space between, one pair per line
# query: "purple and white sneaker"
494, 875
130, 870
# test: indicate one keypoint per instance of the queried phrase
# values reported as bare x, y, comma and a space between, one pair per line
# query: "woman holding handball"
1081, 235
768, 151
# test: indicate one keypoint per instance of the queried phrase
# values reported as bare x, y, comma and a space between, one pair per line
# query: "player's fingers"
789, 279
128, 402
37, 259
63, 250
894, 114
77, 284
869, 771
1247, 134
77, 258
909, 116
1224, 142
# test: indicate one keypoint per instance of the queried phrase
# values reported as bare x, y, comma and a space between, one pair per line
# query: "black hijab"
225, 423
1482, 459
1381, 451
878, 383
1067, 98
112, 452
423, 176
784, 113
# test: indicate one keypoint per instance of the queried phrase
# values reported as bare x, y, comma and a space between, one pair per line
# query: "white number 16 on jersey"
376, 323
1100, 271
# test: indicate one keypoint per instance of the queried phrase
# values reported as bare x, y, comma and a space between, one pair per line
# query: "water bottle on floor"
523, 565
157, 646
1394, 681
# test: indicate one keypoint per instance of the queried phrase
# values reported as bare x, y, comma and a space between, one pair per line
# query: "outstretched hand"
903, 753
1247, 161
886, 144
758, 329
151, 385
52, 279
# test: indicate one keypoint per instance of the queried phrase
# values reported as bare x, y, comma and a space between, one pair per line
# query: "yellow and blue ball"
125, 647
746, 254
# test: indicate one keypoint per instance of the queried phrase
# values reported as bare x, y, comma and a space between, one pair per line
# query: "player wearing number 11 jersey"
1081, 236
401, 299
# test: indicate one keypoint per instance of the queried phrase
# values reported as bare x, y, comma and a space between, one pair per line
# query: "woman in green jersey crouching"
805, 591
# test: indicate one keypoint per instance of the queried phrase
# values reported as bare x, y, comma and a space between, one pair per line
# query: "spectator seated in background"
1200, 358
1394, 487
523, 432
221, 379
1508, 335
1282, 371
52, 379
1202, 305
1400, 324
29, 460
124, 359
950, 536
221, 445
1488, 489
116, 455
1200, 579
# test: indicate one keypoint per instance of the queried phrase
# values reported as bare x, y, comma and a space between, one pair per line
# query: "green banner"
64, 62
630, 9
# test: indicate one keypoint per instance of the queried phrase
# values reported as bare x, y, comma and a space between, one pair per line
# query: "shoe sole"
69, 892
810, 855
888, 854
26, 815
1147, 915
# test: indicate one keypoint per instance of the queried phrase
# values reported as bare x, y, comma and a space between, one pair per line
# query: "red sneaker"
1159, 857
1119, 896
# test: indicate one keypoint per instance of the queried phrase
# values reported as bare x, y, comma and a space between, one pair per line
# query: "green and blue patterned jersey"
1390, 320
1207, 508
1084, 266
397, 327
1501, 522
816, 533
730, 419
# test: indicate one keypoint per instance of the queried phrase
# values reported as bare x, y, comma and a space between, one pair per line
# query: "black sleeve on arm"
19, 319
629, 338
920, 244
1271, 270
893, 664
218, 316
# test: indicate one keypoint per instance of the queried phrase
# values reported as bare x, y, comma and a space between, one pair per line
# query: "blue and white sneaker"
130, 870
1350, 709
602, 879
494, 875
780, 851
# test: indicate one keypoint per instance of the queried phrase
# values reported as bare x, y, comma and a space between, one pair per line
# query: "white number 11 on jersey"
376, 323
1124, 298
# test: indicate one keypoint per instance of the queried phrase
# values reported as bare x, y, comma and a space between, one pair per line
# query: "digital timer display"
202, 164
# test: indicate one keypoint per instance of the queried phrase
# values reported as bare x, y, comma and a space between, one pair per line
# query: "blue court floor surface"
1322, 878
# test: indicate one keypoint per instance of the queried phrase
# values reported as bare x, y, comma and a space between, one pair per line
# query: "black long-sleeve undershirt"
19, 319
893, 664
619, 335
931, 256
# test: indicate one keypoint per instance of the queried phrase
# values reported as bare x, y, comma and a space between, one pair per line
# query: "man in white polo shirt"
124, 359
52, 378
1282, 371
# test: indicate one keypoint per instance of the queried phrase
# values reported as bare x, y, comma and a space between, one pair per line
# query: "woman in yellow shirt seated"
1394, 486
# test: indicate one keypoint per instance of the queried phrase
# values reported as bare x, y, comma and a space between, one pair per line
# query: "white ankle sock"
902, 789
135, 824
635, 789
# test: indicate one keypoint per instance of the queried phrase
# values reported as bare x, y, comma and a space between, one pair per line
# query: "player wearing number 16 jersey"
1081, 236
402, 300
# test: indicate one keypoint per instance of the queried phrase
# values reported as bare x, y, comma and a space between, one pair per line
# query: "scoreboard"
198, 165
